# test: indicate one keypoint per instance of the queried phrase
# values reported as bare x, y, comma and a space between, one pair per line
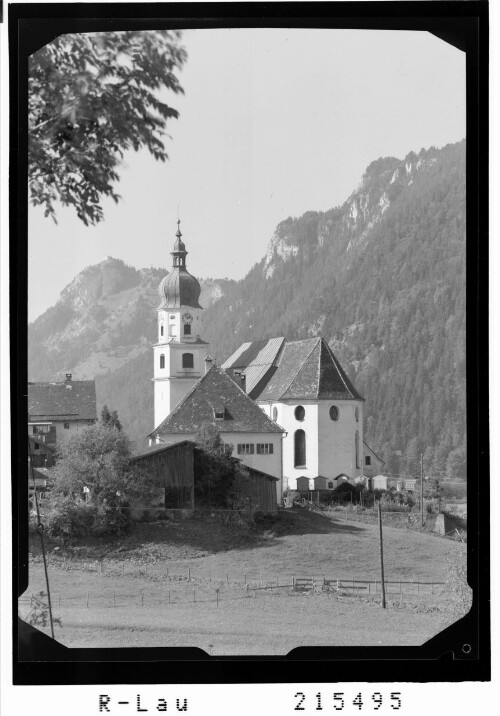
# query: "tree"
91, 97
111, 419
214, 468
93, 481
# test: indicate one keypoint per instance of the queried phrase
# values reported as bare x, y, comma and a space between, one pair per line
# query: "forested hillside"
382, 278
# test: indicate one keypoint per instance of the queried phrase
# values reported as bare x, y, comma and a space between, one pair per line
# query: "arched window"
187, 360
162, 361
299, 413
187, 329
300, 448
356, 441
356, 414
275, 413
161, 329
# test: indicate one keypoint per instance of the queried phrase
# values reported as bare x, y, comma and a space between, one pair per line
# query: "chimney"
68, 377
208, 363
243, 382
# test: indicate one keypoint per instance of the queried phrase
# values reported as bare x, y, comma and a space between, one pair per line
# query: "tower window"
299, 412
187, 329
356, 414
356, 446
161, 329
187, 360
275, 414
300, 448
162, 361
368, 460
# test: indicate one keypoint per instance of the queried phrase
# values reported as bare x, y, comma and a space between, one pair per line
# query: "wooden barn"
262, 489
173, 467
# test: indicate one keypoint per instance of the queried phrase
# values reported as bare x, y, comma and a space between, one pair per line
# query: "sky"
273, 123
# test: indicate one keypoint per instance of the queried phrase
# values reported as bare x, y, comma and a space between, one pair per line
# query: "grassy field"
143, 592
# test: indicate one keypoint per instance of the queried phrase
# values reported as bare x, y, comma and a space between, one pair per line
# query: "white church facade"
287, 408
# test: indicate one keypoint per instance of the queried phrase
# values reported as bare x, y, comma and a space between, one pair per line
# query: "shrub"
459, 599
66, 517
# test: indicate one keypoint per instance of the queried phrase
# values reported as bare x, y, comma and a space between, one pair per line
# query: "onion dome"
179, 288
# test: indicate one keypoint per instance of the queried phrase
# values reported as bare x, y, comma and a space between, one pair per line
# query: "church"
286, 408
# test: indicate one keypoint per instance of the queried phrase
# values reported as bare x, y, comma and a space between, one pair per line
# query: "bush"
67, 517
459, 593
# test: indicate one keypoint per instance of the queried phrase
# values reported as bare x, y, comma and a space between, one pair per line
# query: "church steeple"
179, 253
179, 288
179, 354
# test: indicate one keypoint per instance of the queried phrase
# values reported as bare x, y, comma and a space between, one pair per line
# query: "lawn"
158, 586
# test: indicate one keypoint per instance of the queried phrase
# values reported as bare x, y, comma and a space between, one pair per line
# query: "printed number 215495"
339, 701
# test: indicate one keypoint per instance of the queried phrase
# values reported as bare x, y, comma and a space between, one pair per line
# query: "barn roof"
70, 400
217, 391
160, 447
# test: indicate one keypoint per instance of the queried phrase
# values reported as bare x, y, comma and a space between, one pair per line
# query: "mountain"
382, 278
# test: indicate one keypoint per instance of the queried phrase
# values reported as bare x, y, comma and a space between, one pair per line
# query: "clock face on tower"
187, 318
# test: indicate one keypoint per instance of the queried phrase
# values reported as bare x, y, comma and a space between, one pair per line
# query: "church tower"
179, 354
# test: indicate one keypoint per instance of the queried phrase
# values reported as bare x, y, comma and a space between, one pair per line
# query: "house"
40, 454
301, 386
58, 409
215, 399
308, 484
372, 464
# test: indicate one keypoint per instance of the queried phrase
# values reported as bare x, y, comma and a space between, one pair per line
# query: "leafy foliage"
219, 479
110, 419
92, 483
93, 96
38, 616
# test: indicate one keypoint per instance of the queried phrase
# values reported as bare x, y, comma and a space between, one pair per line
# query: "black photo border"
37, 659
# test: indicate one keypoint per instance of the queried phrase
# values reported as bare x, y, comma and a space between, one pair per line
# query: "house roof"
216, 390
309, 370
70, 400
373, 453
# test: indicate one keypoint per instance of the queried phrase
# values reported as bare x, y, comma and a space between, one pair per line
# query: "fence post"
217, 596
245, 577
59, 601
227, 577
102, 560
87, 599
189, 574
194, 595
142, 597
114, 599
169, 596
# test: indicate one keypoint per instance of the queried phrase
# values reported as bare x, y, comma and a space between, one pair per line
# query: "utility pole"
422, 489
382, 581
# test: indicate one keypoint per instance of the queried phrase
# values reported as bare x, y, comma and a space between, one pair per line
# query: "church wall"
336, 444
286, 418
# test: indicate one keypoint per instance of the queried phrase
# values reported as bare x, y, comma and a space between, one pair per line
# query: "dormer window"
219, 413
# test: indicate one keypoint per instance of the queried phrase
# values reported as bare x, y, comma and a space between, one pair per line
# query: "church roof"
298, 370
178, 288
257, 360
216, 391
71, 400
